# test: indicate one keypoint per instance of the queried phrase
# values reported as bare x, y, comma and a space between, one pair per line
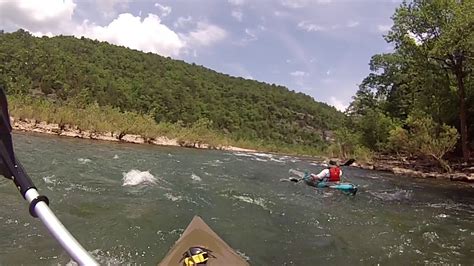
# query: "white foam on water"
243, 255
242, 154
50, 179
84, 160
277, 160
173, 197
215, 163
136, 177
266, 155
257, 201
431, 237
163, 235
296, 172
106, 258
195, 177
75, 187
393, 195
442, 215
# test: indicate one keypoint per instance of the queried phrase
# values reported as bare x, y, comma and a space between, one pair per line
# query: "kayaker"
331, 174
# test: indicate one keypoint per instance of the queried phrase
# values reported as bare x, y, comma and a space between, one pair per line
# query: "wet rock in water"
383, 167
462, 177
468, 169
434, 175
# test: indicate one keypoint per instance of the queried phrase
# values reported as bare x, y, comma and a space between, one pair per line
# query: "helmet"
332, 162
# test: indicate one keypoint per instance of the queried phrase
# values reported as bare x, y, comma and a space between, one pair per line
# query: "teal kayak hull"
345, 187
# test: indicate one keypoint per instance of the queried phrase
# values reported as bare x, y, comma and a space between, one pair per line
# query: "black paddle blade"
9, 166
349, 162
6, 155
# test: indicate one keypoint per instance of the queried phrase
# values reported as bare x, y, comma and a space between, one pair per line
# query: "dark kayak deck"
199, 234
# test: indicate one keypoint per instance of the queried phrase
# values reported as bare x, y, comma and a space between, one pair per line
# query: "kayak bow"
200, 245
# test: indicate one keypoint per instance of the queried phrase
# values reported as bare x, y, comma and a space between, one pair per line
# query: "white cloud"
36, 15
281, 13
205, 34
383, 28
183, 22
109, 7
307, 26
328, 72
352, 24
299, 74
302, 3
110, 4
237, 15
54, 17
147, 35
237, 2
310, 26
252, 36
164, 10
338, 104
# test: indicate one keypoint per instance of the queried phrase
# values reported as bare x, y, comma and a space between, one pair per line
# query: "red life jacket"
334, 174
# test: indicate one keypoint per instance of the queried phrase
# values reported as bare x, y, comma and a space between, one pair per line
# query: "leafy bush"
424, 137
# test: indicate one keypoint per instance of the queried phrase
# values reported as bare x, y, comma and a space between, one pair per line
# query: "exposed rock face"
133, 139
164, 141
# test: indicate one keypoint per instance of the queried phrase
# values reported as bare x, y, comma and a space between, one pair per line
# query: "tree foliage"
424, 137
430, 69
66, 70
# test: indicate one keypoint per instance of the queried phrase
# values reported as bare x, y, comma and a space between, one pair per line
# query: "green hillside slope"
82, 71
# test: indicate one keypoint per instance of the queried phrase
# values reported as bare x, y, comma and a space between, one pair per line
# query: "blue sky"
319, 47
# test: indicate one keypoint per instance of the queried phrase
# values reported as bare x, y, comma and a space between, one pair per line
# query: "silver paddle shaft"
57, 229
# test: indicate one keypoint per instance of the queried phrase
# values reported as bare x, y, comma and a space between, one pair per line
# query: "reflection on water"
129, 203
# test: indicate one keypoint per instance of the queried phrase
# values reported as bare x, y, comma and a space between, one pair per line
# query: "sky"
319, 47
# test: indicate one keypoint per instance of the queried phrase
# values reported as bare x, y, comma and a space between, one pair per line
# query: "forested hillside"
82, 71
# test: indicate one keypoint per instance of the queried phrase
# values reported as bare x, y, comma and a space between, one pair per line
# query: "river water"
127, 204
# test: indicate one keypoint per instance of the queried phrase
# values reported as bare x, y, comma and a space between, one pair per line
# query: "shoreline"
392, 165
32, 125
415, 169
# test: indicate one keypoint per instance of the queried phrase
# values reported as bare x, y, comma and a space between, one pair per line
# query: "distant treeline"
81, 72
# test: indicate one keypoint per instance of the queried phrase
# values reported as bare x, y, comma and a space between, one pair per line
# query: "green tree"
440, 33
424, 137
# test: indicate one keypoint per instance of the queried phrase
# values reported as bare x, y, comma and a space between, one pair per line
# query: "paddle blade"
349, 162
9, 166
6, 156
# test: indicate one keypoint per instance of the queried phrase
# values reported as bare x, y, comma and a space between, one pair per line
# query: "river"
127, 204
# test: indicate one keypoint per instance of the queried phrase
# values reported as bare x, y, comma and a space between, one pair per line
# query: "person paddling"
331, 174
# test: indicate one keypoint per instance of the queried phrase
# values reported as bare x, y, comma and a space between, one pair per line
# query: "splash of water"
136, 177
296, 172
84, 160
195, 177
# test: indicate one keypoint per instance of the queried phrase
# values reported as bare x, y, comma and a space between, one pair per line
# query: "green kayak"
199, 245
